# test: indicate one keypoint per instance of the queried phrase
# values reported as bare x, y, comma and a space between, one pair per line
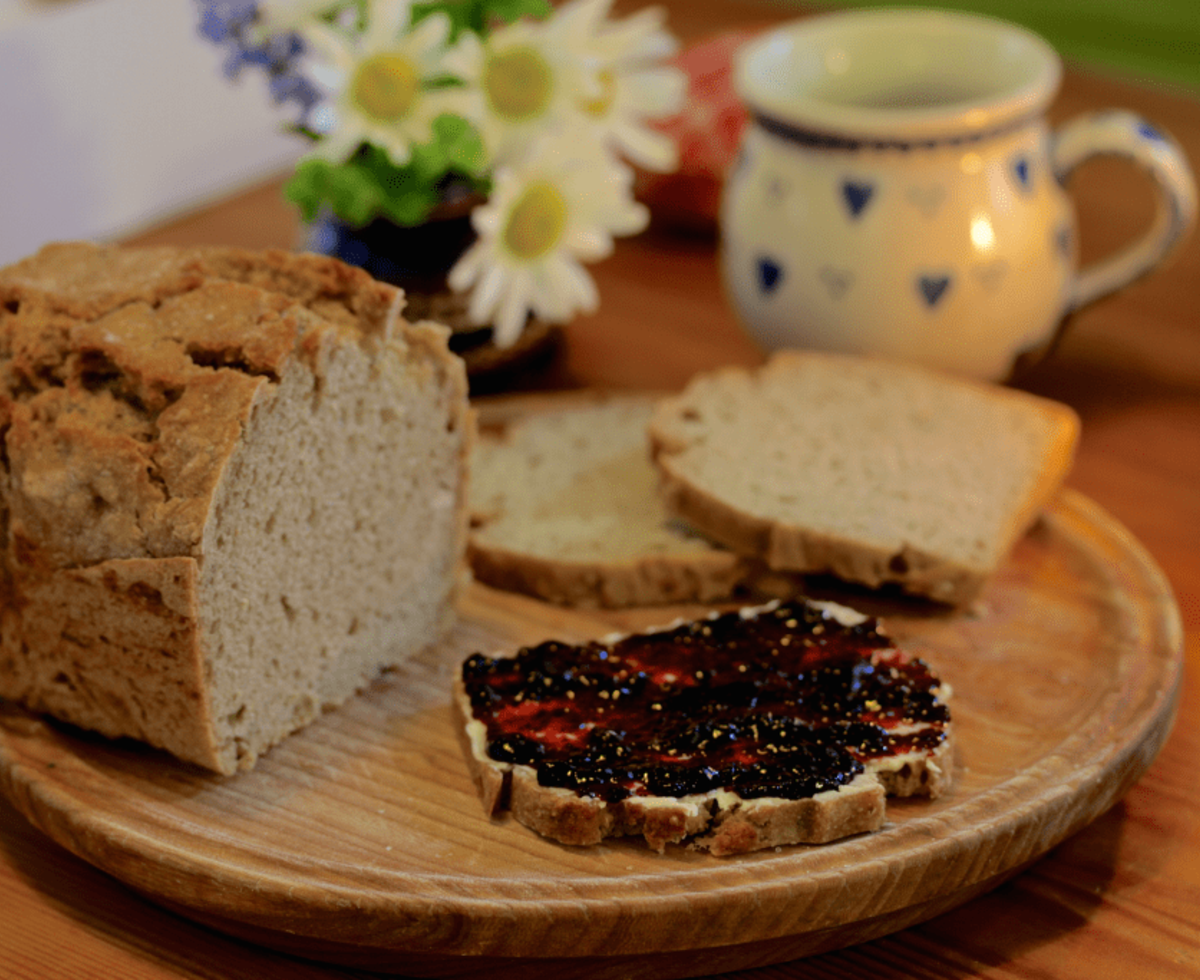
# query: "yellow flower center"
536, 222
600, 105
518, 83
385, 86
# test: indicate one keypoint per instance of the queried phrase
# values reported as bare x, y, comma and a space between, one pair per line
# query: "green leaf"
510, 10
409, 207
306, 187
353, 194
461, 145
370, 184
477, 16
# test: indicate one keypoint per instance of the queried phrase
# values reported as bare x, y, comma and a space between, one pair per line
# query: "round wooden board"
361, 841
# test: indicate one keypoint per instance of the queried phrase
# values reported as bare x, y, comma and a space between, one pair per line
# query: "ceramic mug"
899, 192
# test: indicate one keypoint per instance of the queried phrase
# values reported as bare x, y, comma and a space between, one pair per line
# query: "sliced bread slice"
872, 471
779, 724
565, 507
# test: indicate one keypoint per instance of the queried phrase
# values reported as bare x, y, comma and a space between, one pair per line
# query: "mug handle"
1116, 132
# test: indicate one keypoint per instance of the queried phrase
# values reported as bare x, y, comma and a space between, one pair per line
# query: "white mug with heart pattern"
899, 191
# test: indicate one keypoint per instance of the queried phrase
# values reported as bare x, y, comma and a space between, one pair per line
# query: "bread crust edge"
644, 581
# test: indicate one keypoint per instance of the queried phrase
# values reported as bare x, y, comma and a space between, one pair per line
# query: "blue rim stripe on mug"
832, 141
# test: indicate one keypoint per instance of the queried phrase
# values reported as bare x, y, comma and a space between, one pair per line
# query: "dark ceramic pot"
418, 259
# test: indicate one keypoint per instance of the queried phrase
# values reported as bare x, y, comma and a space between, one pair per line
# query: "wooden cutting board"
360, 840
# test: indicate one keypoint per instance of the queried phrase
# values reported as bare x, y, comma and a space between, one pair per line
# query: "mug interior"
898, 73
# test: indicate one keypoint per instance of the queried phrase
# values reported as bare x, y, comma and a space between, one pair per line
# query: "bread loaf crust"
114, 648
138, 389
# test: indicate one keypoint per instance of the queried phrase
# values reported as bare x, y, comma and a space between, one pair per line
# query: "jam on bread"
786, 723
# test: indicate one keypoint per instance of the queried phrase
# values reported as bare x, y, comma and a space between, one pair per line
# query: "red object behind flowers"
707, 132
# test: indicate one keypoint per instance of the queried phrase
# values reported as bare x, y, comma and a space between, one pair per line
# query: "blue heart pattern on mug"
1064, 241
836, 281
931, 287
769, 274
1146, 131
1022, 173
857, 195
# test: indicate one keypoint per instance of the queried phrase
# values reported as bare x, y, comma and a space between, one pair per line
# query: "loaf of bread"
233, 491
779, 724
565, 507
875, 472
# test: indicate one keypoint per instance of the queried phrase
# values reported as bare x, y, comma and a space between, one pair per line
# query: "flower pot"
418, 259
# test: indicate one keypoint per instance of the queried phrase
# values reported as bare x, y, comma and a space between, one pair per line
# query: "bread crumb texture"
565, 507
873, 471
233, 491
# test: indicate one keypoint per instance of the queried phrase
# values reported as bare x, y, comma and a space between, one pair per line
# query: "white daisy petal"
648, 148
582, 287
385, 21
630, 220
657, 92
329, 46
486, 218
641, 37
511, 319
490, 289
466, 270
589, 244
338, 146
430, 35
480, 312
464, 58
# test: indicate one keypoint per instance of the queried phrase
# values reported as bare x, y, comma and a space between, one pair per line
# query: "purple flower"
229, 24
222, 21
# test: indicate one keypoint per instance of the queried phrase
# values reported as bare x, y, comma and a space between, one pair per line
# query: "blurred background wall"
114, 114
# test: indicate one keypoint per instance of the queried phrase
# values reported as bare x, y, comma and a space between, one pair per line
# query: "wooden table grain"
1119, 899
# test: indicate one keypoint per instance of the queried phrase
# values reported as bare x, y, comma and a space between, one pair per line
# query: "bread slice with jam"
780, 724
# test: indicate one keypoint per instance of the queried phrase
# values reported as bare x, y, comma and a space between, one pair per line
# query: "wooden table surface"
1120, 899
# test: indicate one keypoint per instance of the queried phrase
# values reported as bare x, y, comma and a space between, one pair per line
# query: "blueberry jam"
786, 703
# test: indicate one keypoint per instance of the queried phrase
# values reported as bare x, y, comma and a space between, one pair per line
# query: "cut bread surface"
875, 472
565, 507
234, 491
781, 724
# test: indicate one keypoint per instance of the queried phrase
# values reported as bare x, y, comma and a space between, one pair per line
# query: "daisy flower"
624, 83
547, 215
380, 80
521, 79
